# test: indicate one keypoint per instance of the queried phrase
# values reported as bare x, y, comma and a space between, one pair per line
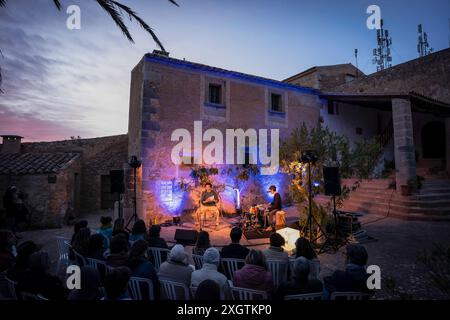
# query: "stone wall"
174, 98
49, 203
98, 157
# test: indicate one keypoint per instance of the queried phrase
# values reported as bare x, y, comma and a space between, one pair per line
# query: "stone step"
444, 210
406, 201
401, 215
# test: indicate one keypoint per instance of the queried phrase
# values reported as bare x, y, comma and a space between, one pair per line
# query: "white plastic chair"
63, 245
279, 271
156, 254
248, 294
175, 290
230, 266
198, 261
26, 296
306, 296
353, 296
140, 289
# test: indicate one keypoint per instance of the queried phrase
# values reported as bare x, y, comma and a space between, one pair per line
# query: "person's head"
105, 221
203, 240
154, 231
303, 248
24, 251
272, 189
301, 269
90, 279
81, 240
356, 254
79, 225
208, 290
7, 240
138, 252
39, 262
119, 225
96, 242
119, 244
257, 258
116, 282
236, 234
277, 240
177, 254
139, 227
211, 256
208, 186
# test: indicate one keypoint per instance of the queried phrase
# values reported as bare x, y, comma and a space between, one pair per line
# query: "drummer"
274, 206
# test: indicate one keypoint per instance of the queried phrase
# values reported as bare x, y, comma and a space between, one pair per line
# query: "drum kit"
256, 217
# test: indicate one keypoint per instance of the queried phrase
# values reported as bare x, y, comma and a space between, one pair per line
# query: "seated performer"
274, 206
209, 202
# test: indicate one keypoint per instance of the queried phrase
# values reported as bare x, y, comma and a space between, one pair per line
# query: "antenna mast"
382, 54
356, 60
423, 47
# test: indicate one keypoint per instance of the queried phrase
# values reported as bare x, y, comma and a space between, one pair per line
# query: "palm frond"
142, 23
57, 4
2, 3
173, 1
109, 7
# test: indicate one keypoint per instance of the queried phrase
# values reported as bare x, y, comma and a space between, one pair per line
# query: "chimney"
161, 53
11, 144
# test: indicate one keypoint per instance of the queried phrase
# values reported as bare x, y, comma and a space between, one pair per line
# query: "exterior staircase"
374, 196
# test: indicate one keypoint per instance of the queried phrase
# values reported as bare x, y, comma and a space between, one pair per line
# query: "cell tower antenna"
423, 47
382, 54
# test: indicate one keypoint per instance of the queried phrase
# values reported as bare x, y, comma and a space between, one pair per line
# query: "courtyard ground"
398, 244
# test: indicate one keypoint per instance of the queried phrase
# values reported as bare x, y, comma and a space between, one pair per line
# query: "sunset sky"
59, 83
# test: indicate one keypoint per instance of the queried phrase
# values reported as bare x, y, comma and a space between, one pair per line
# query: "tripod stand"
135, 164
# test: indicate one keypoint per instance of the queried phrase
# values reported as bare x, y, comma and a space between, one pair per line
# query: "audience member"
140, 266
275, 250
38, 280
90, 286
24, 251
106, 230
300, 283
77, 227
211, 260
354, 277
176, 268
208, 290
119, 228
202, 243
116, 283
95, 247
80, 243
235, 250
7, 249
139, 231
254, 274
303, 248
154, 238
118, 251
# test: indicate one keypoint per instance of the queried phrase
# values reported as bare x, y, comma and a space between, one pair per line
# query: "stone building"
62, 179
168, 94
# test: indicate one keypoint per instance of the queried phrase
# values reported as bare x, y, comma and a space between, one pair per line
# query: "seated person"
90, 286
118, 255
354, 277
299, 284
211, 260
116, 284
106, 230
208, 290
154, 238
209, 201
235, 250
202, 243
38, 280
254, 274
95, 247
139, 231
303, 248
141, 267
274, 206
275, 250
7, 248
176, 268
24, 251
119, 228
